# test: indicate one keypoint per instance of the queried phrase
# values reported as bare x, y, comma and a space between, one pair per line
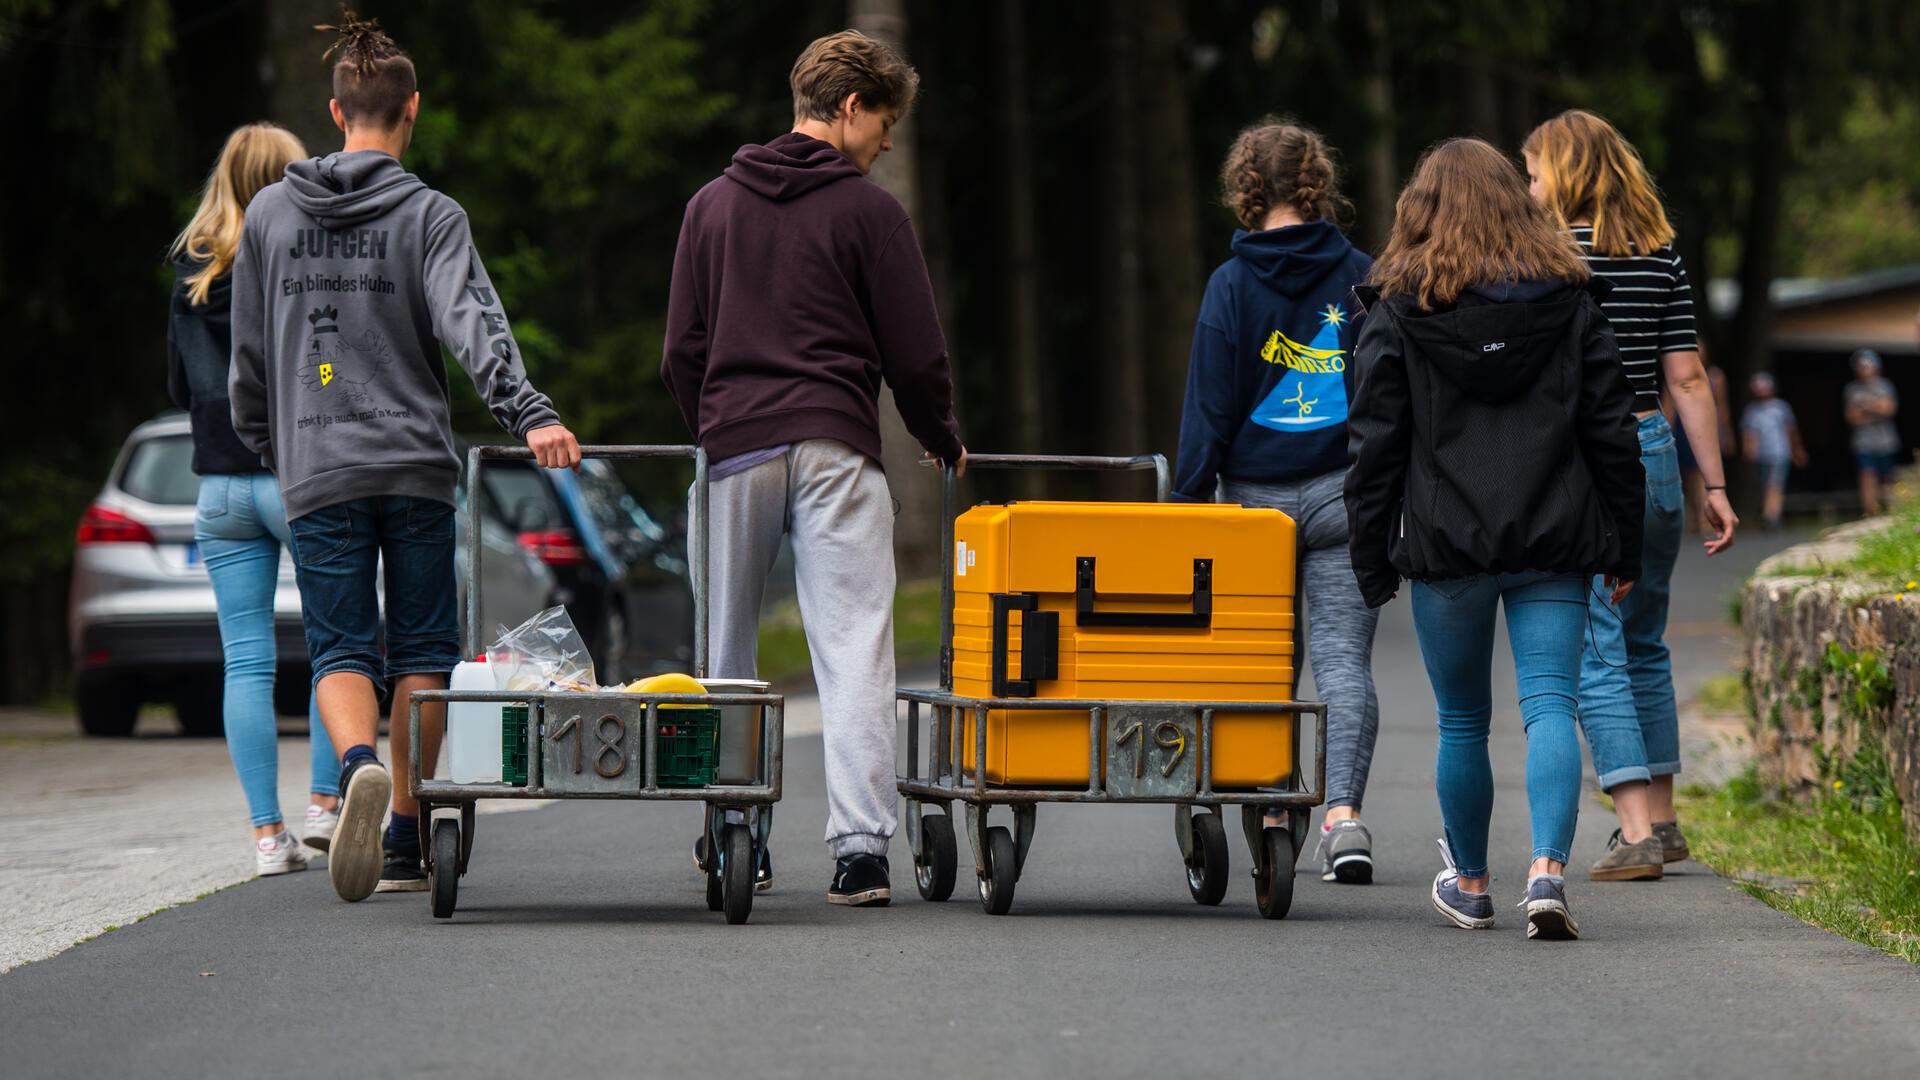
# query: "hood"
1292, 260
1493, 349
342, 189
789, 166
185, 266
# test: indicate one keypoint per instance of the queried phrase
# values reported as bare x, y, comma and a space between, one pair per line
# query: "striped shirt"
1650, 308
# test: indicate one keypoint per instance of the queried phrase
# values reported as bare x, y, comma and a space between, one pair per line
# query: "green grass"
916, 632
1843, 863
1723, 694
1890, 557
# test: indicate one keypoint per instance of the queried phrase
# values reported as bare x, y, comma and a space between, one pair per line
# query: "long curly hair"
1280, 162
1589, 172
1464, 219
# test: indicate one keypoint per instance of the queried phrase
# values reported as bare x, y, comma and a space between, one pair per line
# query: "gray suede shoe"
1629, 862
1673, 842
1346, 853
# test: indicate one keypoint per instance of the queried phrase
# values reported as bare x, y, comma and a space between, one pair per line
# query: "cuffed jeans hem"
1627, 775
1348, 801
1551, 853
1664, 768
327, 789
346, 666
435, 666
858, 844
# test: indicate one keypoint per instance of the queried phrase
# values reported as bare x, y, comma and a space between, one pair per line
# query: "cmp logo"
1495, 346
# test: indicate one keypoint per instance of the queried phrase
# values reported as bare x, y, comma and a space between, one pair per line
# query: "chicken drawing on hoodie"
332, 363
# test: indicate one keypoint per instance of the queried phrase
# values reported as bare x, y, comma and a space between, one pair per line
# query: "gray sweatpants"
834, 503
1340, 625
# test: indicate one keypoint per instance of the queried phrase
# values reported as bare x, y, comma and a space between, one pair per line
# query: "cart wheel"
934, 873
1273, 877
1002, 870
1207, 869
736, 872
443, 880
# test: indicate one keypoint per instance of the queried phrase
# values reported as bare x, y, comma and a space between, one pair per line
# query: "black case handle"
1084, 595
1039, 644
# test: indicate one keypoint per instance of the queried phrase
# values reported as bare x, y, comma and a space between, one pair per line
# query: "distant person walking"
239, 524
1871, 405
1593, 181
1771, 442
1495, 463
1266, 425
344, 392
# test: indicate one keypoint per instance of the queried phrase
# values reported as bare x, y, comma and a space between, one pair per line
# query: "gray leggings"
1340, 625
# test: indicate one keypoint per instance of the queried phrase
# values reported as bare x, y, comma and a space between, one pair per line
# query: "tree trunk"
916, 529
1751, 330
299, 84
1022, 271
1379, 181
1124, 373
1172, 275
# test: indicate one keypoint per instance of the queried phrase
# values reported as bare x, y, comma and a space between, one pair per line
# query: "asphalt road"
582, 947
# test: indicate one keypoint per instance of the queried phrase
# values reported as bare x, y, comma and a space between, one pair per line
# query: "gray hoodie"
350, 275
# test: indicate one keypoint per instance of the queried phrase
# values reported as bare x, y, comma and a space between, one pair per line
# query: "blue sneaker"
1468, 911
1547, 916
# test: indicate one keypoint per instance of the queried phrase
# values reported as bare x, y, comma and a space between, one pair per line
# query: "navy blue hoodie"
1268, 381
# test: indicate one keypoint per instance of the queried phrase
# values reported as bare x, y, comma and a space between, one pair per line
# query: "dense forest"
1060, 168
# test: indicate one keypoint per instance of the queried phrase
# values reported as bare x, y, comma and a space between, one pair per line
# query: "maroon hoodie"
797, 286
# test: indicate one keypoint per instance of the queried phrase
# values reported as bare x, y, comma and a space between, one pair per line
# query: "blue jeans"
1626, 675
239, 525
337, 554
1546, 622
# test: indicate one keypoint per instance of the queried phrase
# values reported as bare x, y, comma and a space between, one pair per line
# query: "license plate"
192, 555
1153, 752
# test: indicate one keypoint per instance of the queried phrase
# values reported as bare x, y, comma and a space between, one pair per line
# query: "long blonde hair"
255, 155
1590, 172
1465, 219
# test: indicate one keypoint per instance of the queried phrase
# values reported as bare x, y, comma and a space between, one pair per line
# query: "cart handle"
697, 550
949, 485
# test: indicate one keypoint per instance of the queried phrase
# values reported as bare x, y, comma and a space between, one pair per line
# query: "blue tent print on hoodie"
1313, 393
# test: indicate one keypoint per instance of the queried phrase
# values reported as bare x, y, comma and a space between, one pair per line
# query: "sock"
355, 757
403, 831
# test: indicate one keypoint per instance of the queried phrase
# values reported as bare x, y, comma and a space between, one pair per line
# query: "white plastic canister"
473, 728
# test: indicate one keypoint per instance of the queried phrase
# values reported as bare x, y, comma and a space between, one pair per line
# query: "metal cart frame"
622, 767
1000, 856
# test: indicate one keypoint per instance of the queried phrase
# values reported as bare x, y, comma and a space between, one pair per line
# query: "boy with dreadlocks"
350, 275
797, 287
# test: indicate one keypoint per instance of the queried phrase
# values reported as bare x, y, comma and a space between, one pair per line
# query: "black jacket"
199, 353
1493, 436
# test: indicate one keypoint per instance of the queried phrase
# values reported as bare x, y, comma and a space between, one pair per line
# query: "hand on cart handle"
959, 467
554, 447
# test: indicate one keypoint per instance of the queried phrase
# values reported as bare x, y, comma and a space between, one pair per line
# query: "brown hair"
374, 79
1590, 172
1278, 162
255, 155
850, 62
1465, 219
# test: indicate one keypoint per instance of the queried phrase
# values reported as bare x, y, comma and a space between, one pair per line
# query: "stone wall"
1833, 668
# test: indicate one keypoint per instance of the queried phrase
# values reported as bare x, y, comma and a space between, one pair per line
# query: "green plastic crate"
513, 745
689, 746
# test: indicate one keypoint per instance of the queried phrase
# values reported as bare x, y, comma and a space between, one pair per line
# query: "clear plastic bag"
544, 653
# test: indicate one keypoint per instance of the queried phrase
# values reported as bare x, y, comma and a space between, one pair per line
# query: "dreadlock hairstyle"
373, 79
1279, 162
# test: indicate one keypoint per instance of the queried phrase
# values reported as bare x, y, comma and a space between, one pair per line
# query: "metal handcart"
1116, 739
612, 745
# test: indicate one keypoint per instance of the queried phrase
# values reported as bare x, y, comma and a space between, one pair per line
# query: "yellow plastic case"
1126, 602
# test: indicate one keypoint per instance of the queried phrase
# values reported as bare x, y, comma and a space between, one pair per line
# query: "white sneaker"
278, 855
321, 822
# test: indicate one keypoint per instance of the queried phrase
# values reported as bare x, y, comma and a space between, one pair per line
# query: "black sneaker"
860, 881
762, 874
404, 871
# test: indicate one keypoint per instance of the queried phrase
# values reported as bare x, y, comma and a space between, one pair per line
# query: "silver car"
141, 619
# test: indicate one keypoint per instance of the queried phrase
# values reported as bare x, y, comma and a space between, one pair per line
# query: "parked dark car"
620, 571
141, 619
